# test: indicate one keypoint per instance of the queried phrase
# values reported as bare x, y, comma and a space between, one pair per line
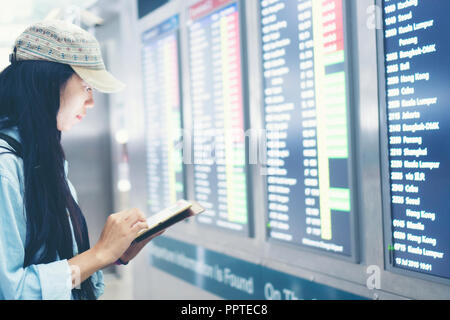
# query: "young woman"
44, 245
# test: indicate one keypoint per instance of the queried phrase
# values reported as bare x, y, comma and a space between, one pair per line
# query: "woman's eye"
88, 89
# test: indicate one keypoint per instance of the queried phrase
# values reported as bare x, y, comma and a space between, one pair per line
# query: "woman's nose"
90, 103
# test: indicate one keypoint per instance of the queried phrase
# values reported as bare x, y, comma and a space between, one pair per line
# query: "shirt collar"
13, 132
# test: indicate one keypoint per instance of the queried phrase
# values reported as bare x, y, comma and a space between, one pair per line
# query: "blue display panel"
232, 278
160, 63
220, 171
306, 104
416, 54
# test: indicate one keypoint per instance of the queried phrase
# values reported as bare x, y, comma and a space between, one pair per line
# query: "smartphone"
181, 210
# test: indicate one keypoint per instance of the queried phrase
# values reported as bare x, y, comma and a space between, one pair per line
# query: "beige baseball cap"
63, 42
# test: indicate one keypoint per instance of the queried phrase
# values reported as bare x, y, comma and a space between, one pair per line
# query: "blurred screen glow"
16, 15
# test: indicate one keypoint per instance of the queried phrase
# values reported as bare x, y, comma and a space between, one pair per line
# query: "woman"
44, 245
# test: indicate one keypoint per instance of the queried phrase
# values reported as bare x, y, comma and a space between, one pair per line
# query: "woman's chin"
66, 127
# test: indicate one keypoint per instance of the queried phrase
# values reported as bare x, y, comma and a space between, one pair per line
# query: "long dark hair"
30, 99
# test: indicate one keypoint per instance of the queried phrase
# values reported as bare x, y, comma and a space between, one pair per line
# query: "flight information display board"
160, 62
306, 120
220, 178
417, 78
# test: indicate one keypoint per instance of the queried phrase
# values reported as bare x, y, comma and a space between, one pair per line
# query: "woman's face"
76, 98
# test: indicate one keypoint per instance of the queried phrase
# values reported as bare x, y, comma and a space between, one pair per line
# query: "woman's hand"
118, 233
136, 247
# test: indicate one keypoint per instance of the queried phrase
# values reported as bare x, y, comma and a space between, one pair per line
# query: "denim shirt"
39, 281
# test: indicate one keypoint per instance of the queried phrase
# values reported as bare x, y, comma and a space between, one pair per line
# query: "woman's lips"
80, 117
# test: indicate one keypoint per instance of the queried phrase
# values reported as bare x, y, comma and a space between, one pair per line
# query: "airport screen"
217, 109
160, 65
306, 114
416, 54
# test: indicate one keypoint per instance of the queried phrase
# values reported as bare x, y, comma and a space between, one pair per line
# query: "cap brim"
100, 80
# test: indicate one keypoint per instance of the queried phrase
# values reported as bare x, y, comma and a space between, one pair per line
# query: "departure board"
217, 114
163, 115
307, 128
417, 78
